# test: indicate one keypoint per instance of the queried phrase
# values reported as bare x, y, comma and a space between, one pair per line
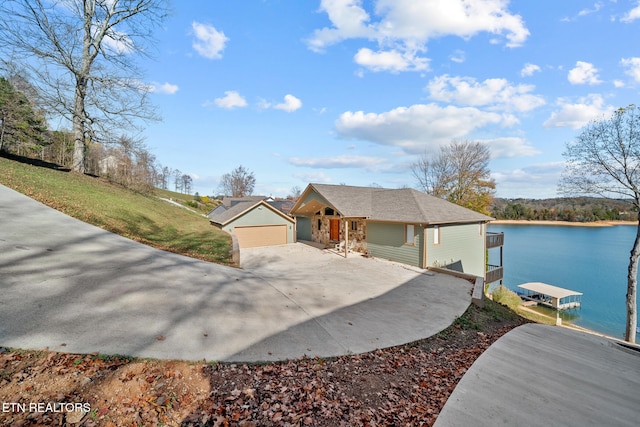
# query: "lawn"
143, 218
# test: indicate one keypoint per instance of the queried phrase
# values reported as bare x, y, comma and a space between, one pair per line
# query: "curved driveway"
69, 286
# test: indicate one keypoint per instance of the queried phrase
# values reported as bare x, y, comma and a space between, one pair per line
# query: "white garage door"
264, 235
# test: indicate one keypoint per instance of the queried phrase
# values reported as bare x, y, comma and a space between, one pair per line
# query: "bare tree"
294, 193
459, 173
187, 182
238, 183
80, 53
163, 176
177, 180
604, 160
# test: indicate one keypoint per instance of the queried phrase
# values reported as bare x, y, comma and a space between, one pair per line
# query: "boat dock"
550, 296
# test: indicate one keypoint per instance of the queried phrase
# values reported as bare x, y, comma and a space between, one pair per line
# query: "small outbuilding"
255, 223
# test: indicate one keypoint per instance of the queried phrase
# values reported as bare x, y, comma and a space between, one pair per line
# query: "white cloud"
632, 66
344, 161
632, 15
584, 12
458, 56
497, 94
509, 147
349, 20
404, 28
165, 88
391, 60
577, 115
584, 73
414, 128
209, 42
596, 7
231, 100
411, 20
529, 69
535, 181
290, 104
319, 177
118, 42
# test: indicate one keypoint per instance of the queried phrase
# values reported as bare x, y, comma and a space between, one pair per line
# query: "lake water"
591, 260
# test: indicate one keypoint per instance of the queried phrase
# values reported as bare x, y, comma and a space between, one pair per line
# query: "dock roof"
552, 291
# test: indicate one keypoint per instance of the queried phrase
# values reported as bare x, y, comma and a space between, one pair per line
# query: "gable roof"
228, 201
240, 209
282, 205
383, 204
216, 211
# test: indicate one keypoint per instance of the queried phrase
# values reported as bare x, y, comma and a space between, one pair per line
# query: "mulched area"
400, 386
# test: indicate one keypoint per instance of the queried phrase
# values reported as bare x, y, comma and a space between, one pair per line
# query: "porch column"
346, 237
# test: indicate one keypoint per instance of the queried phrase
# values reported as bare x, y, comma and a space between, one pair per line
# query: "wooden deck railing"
494, 240
494, 273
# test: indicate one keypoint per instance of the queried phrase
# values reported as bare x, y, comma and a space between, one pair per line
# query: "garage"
255, 224
263, 235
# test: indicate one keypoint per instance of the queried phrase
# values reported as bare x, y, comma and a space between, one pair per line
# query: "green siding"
313, 196
261, 215
303, 228
386, 240
462, 242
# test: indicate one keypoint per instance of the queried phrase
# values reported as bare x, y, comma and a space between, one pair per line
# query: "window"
409, 234
436, 235
319, 224
354, 226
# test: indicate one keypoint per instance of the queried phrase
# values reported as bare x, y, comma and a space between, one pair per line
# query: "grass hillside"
203, 204
143, 218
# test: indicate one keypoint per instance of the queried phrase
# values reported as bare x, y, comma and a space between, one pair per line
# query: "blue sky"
348, 91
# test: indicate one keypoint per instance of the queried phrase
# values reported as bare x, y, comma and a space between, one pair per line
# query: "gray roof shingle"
395, 205
238, 208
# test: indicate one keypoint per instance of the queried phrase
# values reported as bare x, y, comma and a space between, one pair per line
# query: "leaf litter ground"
401, 386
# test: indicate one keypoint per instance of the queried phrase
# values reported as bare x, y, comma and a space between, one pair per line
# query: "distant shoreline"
562, 223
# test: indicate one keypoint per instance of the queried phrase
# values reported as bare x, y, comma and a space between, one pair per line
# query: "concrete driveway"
538, 375
68, 286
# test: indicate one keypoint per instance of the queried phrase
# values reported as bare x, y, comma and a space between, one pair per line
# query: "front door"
334, 229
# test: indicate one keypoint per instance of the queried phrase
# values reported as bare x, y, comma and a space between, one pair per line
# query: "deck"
494, 272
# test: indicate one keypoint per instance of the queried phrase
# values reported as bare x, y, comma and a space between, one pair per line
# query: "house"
403, 225
254, 222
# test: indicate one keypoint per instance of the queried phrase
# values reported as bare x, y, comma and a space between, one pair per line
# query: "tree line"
572, 209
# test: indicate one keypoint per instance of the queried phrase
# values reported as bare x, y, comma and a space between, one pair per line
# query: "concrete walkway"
547, 375
68, 286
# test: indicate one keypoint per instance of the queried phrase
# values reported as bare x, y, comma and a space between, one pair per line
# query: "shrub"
506, 296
